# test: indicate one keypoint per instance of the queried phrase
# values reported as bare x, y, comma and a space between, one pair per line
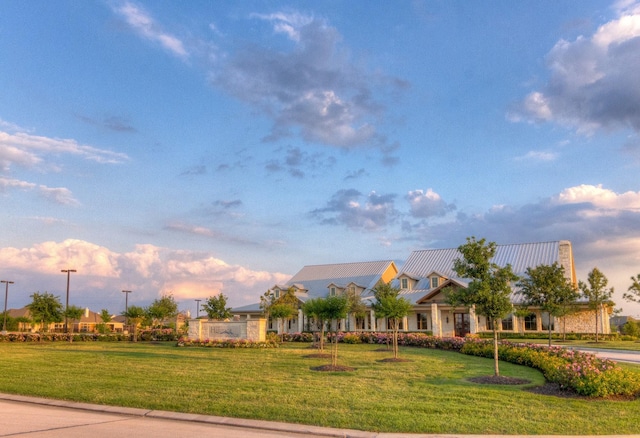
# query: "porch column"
473, 320
372, 315
405, 323
435, 320
300, 321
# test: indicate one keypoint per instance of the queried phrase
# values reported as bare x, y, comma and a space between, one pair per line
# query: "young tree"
316, 308
547, 288
634, 290
135, 315
596, 292
392, 307
73, 313
216, 307
355, 306
162, 309
490, 287
105, 318
335, 309
45, 308
282, 308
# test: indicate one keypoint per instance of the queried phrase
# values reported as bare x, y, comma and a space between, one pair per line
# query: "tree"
335, 309
634, 290
105, 318
74, 313
547, 288
490, 288
392, 307
216, 307
45, 308
162, 309
595, 290
282, 308
316, 308
355, 305
135, 315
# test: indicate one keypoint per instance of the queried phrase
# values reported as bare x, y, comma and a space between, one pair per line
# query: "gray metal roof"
520, 256
316, 278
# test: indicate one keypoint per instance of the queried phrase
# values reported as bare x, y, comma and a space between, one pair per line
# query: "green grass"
605, 345
429, 394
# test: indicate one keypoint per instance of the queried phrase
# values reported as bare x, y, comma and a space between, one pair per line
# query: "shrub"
225, 343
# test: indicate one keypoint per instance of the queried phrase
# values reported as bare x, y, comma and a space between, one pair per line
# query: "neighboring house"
86, 324
319, 281
424, 280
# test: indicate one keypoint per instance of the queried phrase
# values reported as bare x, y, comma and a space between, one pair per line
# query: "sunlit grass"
429, 394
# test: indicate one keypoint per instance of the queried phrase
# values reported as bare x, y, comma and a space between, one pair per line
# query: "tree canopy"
633, 290
216, 307
489, 291
547, 288
45, 308
162, 308
389, 305
596, 291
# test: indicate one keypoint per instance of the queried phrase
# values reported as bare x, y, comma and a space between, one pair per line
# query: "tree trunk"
549, 329
495, 349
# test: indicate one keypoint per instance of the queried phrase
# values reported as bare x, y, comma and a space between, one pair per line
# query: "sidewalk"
39, 418
617, 355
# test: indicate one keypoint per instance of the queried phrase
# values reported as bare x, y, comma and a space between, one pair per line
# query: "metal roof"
520, 256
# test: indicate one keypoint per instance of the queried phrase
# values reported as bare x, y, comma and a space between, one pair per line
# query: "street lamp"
66, 319
6, 294
126, 304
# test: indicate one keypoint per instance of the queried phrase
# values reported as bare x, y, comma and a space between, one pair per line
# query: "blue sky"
202, 147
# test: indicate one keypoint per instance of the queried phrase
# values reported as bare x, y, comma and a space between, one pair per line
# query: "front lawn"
430, 393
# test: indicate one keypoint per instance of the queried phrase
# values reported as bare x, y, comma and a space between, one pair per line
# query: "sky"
197, 148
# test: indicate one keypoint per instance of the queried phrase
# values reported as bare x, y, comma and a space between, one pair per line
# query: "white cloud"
148, 270
427, 204
146, 26
594, 79
544, 156
59, 195
600, 198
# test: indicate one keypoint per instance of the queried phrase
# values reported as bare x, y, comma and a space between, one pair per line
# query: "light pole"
126, 304
198, 309
6, 294
66, 308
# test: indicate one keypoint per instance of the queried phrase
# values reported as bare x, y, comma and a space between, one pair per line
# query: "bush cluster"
583, 373
62, 337
228, 343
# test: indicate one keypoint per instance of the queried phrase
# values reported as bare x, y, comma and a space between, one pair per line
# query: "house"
86, 324
319, 281
424, 280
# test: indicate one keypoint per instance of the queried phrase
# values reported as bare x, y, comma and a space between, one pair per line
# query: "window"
489, 324
400, 324
423, 321
531, 322
434, 282
332, 291
277, 293
507, 323
271, 324
404, 283
545, 322
363, 324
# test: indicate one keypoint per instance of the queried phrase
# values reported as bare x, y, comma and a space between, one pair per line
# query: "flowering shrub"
584, 373
298, 337
226, 343
164, 334
60, 337
351, 338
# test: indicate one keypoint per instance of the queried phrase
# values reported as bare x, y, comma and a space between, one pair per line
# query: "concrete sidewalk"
617, 355
38, 417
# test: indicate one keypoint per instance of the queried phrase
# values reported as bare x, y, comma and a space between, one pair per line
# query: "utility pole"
66, 319
6, 294
126, 304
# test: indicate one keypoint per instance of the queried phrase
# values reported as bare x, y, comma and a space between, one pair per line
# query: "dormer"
407, 281
436, 279
335, 290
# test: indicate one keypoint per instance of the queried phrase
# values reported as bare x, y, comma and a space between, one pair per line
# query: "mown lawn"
605, 345
429, 394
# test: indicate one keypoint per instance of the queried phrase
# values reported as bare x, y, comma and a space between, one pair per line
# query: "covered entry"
462, 324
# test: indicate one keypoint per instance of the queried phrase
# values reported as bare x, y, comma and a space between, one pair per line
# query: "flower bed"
228, 343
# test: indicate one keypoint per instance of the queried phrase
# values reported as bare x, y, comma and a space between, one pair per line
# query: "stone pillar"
300, 321
473, 320
435, 320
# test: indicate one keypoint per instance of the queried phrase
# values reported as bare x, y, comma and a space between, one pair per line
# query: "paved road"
617, 355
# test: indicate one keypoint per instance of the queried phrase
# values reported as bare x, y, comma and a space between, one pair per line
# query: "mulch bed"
392, 359
499, 380
333, 368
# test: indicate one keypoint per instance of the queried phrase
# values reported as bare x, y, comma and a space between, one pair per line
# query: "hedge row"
143, 335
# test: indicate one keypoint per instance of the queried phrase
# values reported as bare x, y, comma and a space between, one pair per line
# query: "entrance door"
462, 324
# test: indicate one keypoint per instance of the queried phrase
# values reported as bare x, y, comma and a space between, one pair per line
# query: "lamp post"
66, 308
198, 309
126, 304
6, 294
